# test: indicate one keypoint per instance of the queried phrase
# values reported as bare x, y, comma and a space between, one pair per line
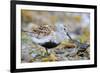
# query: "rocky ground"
65, 51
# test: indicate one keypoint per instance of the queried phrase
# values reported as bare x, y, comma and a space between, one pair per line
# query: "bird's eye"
64, 29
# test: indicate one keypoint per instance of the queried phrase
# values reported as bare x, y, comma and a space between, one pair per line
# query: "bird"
52, 38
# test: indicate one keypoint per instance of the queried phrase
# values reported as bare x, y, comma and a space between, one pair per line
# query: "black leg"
46, 51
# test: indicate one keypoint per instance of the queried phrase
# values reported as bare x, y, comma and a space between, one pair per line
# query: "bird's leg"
47, 53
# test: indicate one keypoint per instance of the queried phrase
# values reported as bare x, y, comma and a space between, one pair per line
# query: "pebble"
72, 51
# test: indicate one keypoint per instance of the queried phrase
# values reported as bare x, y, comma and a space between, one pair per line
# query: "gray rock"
71, 51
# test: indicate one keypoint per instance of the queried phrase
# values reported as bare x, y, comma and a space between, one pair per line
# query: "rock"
59, 51
45, 59
33, 55
25, 56
52, 57
72, 51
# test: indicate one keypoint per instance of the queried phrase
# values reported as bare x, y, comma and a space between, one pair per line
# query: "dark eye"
64, 29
